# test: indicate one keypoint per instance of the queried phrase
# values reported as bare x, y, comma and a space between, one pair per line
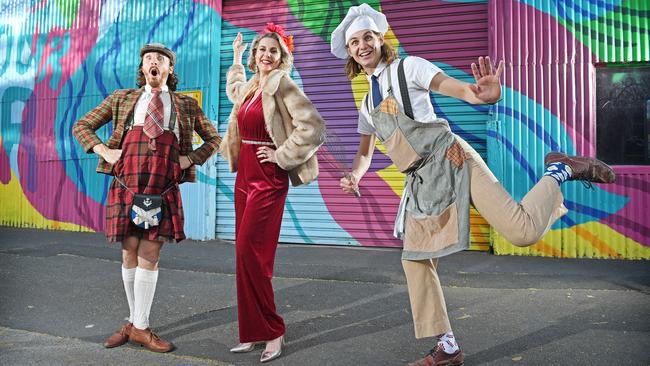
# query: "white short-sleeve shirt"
419, 73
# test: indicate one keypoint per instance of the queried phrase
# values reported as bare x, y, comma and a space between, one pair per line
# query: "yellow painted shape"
588, 240
543, 248
196, 94
359, 88
547, 247
17, 211
479, 231
601, 241
600, 246
393, 177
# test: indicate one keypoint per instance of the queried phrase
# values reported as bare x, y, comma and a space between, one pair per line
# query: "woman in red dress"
272, 137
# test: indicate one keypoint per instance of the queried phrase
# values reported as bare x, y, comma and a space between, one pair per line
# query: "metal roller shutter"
451, 34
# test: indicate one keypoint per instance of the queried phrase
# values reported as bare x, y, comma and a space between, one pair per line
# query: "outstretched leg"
524, 223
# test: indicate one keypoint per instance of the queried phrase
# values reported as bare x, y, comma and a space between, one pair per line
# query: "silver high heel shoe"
269, 356
244, 347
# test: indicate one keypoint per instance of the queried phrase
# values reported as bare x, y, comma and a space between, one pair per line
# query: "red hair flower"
288, 40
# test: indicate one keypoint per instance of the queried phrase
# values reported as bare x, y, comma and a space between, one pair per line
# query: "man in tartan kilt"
149, 152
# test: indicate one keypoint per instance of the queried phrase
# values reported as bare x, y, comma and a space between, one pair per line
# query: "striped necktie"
154, 119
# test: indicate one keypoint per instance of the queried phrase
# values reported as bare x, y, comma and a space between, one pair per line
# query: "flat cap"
159, 47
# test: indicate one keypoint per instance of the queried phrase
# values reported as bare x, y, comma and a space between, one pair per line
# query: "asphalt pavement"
61, 295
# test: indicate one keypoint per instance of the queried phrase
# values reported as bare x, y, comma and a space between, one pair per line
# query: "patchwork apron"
433, 218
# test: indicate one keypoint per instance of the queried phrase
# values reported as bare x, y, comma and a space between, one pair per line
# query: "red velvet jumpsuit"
260, 193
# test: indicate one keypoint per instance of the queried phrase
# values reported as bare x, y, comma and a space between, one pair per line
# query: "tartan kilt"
146, 171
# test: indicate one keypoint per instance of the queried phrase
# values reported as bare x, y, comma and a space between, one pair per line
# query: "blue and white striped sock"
558, 171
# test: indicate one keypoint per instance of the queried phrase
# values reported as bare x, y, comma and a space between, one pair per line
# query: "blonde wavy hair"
286, 58
388, 55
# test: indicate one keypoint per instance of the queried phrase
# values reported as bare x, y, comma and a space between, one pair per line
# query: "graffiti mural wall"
58, 59
319, 213
554, 51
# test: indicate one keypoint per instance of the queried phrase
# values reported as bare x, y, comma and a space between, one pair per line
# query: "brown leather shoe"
120, 337
587, 169
438, 357
151, 340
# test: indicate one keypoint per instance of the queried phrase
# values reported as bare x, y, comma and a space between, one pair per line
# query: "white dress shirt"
141, 108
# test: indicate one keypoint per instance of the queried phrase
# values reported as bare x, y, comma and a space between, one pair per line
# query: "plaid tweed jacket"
119, 106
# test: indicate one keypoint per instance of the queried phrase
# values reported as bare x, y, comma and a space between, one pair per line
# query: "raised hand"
488, 86
238, 48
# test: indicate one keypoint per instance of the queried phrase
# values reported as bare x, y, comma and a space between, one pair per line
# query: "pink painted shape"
632, 220
446, 24
520, 40
47, 50
279, 14
368, 219
43, 176
216, 5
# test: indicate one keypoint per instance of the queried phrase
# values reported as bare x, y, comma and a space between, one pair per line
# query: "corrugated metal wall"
58, 59
550, 49
306, 218
451, 34
62, 58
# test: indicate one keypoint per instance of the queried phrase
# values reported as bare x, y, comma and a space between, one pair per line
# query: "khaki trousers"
522, 223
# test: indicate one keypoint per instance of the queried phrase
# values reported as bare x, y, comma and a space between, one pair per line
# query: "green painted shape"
68, 9
612, 34
642, 5
322, 17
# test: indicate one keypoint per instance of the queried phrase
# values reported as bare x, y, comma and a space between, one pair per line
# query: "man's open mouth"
153, 71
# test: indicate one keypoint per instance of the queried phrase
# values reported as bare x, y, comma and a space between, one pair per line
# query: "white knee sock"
144, 288
128, 276
448, 343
